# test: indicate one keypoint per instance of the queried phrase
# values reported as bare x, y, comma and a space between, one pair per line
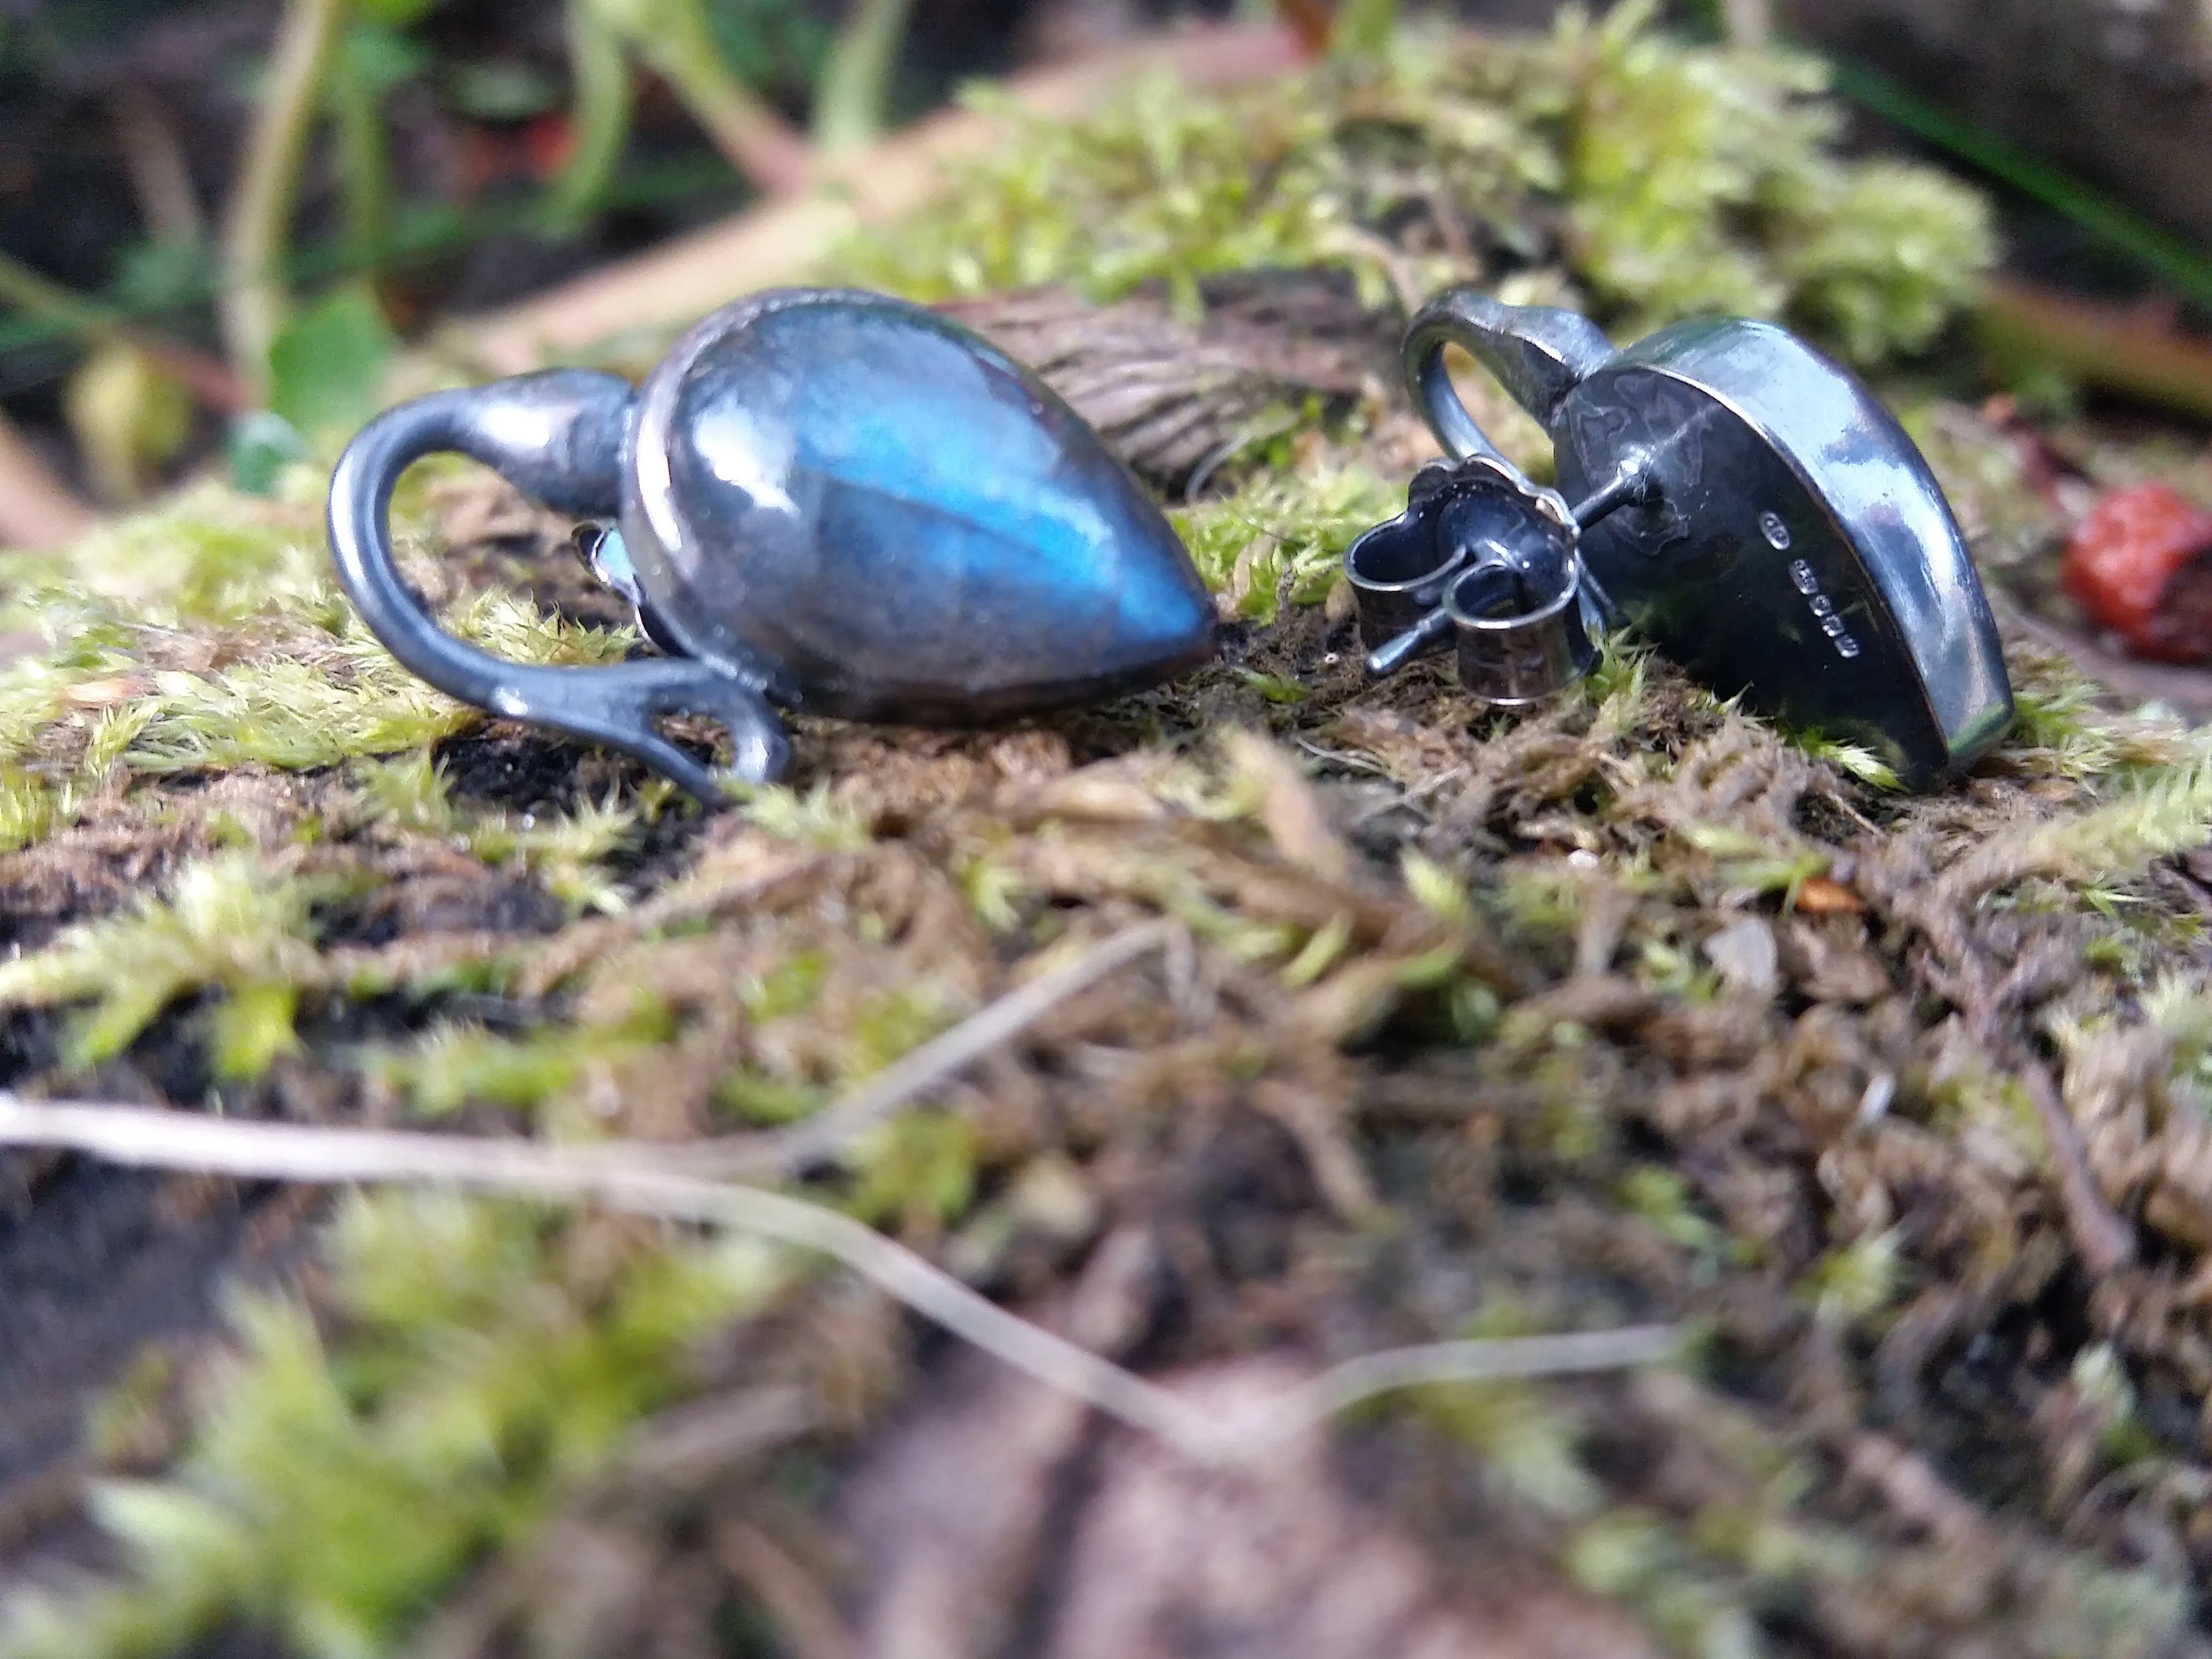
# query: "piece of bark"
2118, 91
1174, 397
1000, 1519
1003, 1516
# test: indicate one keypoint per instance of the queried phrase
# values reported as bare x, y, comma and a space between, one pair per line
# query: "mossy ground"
1630, 1008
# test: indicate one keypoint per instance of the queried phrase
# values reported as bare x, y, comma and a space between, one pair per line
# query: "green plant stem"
853, 100
2168, 256
673, 38
1748, 24
25, 290
365, 160
600, 117
757, 141
258, 226
72, 315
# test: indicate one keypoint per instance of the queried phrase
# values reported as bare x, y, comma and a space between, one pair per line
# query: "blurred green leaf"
260, 447
770, 41
327, 364
393, 14
382, 57
161, 273
491, 90
1363, 28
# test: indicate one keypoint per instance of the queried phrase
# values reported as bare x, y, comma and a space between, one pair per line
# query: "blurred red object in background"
2140, 566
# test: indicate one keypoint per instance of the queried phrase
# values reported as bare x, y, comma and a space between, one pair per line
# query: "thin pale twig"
920, 1070
1477, 1360
155, 1138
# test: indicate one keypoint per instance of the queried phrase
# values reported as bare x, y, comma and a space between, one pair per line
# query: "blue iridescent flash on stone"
886, 518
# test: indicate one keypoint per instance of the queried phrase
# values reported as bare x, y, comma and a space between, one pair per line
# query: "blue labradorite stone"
875, 514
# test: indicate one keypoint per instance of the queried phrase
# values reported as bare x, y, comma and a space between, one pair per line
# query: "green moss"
1852, 759
229, 924
491, 1358
1853, 1284
916, 1173
813, 819
292, 715
459, 1065
1526, 1444
791, 987
1282, 539
1640, 1559
566, 853
1694, 179
343, 697
1663, 1198
799, 1052
1707, 181
1163, 185
2163, 814
32, 697
29, 807
2063, 728
209, 558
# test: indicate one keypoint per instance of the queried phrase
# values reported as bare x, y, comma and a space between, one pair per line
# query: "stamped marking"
1822, 607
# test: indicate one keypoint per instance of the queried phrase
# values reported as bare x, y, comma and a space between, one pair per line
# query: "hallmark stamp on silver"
1823, 608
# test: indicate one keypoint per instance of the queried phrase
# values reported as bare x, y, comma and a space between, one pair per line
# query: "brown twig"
685, 278
37, 509
159, 176
2127, 349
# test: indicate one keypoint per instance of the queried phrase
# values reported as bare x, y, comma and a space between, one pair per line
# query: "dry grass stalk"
613, 1176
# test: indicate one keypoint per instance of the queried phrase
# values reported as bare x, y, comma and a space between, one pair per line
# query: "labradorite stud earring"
828, 500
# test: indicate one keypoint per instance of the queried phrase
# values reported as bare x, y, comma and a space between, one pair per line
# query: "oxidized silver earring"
1732, 494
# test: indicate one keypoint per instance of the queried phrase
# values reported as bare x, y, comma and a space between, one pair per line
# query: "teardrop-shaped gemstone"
886, 517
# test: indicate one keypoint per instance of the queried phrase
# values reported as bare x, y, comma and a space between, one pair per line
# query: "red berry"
2140, 565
